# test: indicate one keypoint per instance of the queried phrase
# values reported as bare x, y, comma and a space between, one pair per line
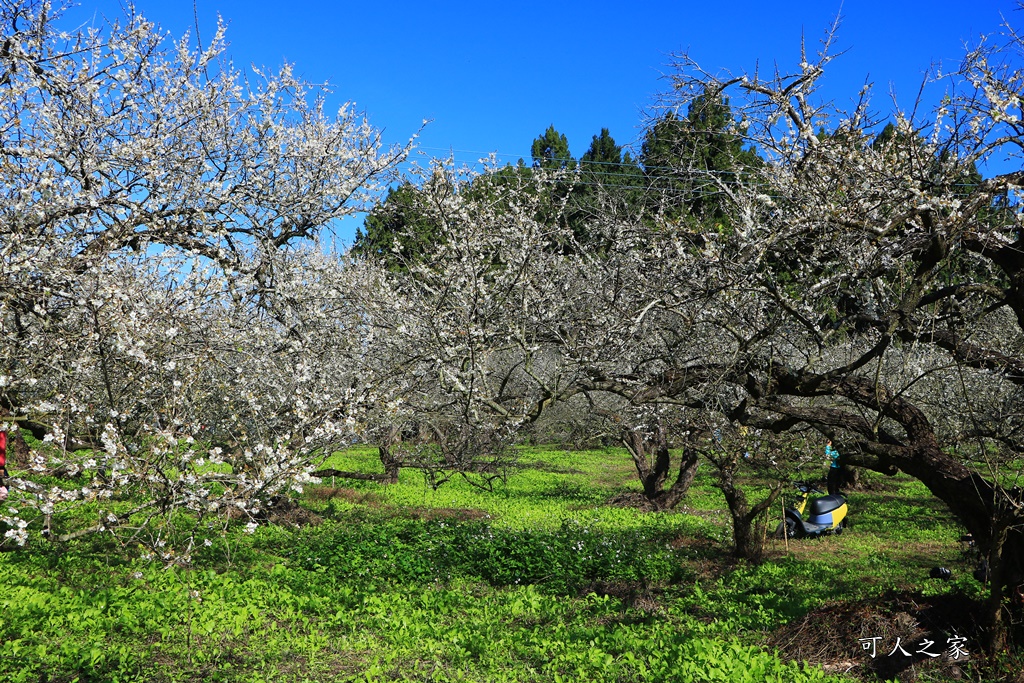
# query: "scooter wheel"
788, 530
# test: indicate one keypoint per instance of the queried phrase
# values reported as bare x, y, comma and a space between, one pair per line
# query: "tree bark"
387, 458
997, 628
746, 544
849, 480
390, 464
343, 474
653, 463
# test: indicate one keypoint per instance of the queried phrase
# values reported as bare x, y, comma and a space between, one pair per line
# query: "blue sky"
492, 76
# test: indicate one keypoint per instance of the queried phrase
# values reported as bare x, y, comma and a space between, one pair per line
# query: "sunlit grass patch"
535, 580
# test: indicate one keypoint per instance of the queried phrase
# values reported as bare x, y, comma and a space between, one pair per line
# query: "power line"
671, 172
688, 179
564, 160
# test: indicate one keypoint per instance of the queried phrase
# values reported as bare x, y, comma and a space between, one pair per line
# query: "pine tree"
603, 150
610, 184
677, 155
551, 151
398, 230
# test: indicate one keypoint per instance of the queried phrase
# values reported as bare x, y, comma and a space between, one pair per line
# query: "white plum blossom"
186, 310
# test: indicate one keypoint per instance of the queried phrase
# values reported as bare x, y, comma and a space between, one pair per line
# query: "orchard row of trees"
177, 337
853, 280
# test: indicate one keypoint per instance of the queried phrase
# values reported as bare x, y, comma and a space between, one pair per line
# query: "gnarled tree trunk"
650, 454
994, 516
746, 544
387, 458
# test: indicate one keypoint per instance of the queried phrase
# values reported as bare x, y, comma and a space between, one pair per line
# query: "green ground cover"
537, 580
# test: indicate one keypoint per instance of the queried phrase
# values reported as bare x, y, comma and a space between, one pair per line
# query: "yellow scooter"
824, 515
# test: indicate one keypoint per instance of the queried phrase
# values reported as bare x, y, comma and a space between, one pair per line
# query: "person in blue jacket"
835, 472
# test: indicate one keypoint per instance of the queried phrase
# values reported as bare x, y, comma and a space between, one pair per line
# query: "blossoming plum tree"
882, 282
459, 334
171, 329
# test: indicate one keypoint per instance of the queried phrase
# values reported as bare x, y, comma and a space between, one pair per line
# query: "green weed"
538, 580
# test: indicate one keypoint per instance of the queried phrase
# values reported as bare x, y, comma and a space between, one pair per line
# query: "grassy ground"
537, 580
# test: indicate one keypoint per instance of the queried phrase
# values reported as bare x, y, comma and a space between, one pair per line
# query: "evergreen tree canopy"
606, 164
603, 150
551, 151
401, 220
663, 146
678, 154
609, 184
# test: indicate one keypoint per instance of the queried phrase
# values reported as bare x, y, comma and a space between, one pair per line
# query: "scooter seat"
826, 504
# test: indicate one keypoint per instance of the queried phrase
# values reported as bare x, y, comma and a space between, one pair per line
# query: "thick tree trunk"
687, 471
992, 516
744, 545
387, 458
653, 463
747, 545
17, 450
849, 480
390, 464
979, 503
997, 629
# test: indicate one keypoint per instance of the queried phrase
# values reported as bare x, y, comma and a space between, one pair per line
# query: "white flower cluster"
169, 326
